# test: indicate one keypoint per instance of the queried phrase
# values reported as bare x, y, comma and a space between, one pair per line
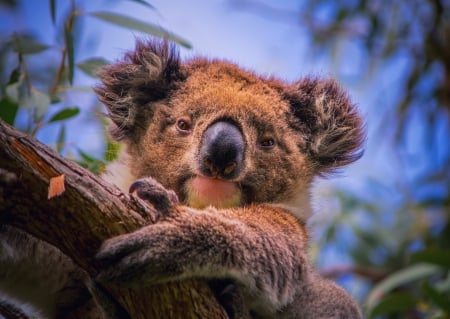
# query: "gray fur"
259, 243
256, 243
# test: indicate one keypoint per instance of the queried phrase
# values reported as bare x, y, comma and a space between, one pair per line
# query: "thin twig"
371, 273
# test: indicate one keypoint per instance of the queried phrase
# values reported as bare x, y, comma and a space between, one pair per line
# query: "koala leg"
36, 278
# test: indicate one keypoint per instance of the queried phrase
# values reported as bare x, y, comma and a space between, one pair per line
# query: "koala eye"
267, 143
184, 125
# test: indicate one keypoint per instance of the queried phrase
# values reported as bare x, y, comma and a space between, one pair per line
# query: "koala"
39, 281
227, 158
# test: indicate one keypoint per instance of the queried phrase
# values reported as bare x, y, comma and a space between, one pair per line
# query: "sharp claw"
134, 187
150, 190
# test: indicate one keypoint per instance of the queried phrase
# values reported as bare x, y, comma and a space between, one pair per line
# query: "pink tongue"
214, 190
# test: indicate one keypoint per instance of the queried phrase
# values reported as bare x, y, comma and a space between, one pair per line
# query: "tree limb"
371, 273
77, 221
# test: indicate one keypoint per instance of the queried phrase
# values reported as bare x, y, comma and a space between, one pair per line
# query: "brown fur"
255, 241
317, 128
261, 243
36, 279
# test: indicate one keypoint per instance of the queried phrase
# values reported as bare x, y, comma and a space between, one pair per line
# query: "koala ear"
145, 75
324, 115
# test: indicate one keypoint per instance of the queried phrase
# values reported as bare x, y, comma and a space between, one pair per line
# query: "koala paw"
150, 190
147, 255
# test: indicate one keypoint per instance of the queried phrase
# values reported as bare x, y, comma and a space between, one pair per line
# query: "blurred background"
381, 226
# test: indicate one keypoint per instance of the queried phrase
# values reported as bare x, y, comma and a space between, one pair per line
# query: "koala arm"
262, 247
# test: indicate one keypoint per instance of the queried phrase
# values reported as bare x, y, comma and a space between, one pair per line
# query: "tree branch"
77, 221
371, 273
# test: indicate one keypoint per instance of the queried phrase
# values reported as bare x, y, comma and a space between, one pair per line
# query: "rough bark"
87, 212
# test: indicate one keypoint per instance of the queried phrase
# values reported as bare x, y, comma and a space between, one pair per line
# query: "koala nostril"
209, 165
222, 150
227, 170
230, 168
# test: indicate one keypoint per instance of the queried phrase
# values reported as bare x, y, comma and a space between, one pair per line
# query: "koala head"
220, 135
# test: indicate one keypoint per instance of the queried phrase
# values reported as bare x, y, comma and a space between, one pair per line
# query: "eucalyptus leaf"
131, 23
16, 91
64, 114
30, 98
40, 101
401, 277
53, 11
27, 44
35, 99
441, 299
94, 165
86, 157
92, 65
8, 110
144, 3
112, 151
14, 76
436, 257
392, 303
61, 139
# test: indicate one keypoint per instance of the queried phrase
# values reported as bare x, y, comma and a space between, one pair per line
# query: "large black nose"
222, 151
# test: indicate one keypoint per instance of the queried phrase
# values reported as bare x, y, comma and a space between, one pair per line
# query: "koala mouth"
202, 192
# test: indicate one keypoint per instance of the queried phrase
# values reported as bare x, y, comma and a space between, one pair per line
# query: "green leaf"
360, 255
330, 234
8, 110
87, 158
435, 257
15, 76
27, 44
68, 40
92, 65
53, 11
91, 163
395, 302
131, 23
16, 91
439, 298
61, 139
401, 277
112, 151
39, 100
64, 114
55, 99
144, 3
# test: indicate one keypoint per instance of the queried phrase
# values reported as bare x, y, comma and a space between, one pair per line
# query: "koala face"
203, 120
220, 135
